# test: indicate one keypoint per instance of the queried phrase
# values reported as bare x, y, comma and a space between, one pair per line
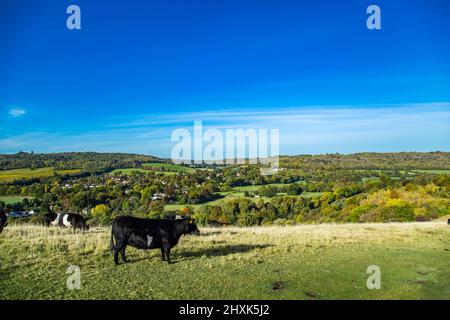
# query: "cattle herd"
140, 233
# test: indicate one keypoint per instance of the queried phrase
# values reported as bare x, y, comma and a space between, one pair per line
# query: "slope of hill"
73, 160
371, 161
302, 262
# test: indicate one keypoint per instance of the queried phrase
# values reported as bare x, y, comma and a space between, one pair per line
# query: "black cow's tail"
111, 242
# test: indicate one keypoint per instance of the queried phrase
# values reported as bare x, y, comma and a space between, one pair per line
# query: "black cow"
73, 220
148, 234
3, 222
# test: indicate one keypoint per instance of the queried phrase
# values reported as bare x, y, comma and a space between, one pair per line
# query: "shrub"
398, 210
101, 213
356, 213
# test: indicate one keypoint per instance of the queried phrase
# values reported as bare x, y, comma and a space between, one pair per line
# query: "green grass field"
299, 262
412, 172
174, 169
433, 171
11, 175
228, 196
169, 166
257, 187
12, 199
232, 195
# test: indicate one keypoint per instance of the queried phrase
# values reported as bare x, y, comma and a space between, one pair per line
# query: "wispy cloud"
17, 112
325, 129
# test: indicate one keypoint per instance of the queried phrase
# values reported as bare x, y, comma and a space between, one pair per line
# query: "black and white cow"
73, 220
69, 220
3, 219
148, 234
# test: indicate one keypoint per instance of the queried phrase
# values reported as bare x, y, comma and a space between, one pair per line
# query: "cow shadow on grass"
131, 259
181, 255
218, 251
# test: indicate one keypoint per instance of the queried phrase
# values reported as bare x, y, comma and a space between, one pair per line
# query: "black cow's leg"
122, 253
167, 248
163, 257
117, 249
168, 255
116, 255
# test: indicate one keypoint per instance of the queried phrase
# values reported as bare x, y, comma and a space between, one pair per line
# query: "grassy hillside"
165, 168
302, 262
169, 167
12, 199
131, 170
233, 195
258, 187
371, 161
72, 160
16, 174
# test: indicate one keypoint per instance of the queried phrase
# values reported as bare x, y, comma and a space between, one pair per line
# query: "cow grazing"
3, 222
148, 234
73, 220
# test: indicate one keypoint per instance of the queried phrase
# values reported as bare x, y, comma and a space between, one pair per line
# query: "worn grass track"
301, 262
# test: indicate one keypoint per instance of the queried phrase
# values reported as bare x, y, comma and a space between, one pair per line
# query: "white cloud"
345, 129
17, 112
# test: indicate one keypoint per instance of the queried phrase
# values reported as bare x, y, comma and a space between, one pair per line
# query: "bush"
201, 218
399, 210
356, 213
247, 219
101, 213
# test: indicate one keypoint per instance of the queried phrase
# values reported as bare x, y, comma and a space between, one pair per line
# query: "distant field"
231, 195
257, 187
171, 167
228, 197
314, 262
413, 171
174, 169
311, 194
12, 199
131, 170
11, 175
432, 171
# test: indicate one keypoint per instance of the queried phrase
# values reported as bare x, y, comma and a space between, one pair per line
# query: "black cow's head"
191, 227
3, 219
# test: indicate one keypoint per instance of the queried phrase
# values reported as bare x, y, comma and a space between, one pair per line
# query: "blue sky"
139, 69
